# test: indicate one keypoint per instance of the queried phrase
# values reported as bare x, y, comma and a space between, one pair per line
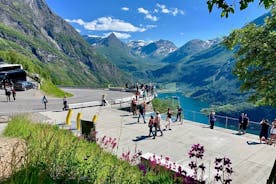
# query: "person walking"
134, 106
13, 94
157, 123
142, 111
104, 101
273, 132
245, 123
150, 125
169, 119
44, 101
65, 106
241, 123
179, 114
8, 95
212, 119
264, 130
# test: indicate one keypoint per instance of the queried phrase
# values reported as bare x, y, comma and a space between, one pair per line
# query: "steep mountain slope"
122, 56
32, 29
188, 49
206, 75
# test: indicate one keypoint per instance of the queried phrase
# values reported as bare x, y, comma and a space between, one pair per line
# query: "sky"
150, 20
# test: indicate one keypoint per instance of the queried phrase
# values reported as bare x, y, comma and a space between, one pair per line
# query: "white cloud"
107, 24
147, 14
119, 35
171, 11
125, 8
143, 11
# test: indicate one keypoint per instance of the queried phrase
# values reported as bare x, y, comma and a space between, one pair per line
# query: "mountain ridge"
44, 36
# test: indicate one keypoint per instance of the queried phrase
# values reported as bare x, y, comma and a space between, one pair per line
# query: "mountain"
120, 55
206, 75
190, 48
155, 50
29, 27
134, 57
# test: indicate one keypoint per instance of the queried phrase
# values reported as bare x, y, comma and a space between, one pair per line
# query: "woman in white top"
273, 131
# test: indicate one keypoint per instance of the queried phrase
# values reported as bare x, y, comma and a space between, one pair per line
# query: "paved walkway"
252, 162
31, 100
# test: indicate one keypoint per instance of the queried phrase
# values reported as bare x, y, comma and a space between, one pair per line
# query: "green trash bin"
88, 130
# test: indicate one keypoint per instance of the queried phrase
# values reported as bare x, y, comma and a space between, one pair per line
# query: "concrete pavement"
31, 100
252, 162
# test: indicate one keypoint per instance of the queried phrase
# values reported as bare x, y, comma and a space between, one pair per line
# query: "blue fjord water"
192, 107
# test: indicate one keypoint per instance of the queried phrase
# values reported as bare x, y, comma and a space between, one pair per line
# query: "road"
30, 100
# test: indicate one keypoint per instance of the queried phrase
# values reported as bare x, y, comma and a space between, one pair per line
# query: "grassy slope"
57, 156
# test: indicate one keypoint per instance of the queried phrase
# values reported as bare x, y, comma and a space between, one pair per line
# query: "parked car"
23, 85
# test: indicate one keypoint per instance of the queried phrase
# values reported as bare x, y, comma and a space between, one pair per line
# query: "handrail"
227, 122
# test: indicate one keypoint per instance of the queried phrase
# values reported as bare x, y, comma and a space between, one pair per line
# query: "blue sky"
176, 20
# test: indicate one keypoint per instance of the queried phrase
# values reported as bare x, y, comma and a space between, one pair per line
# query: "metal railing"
221, 121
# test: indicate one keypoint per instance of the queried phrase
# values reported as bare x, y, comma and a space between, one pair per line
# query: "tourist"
212, 119
150, 125
264, 130
245, 123
273, 132
104, 102
169, 119
157, 123
142, 110
44, 101
134, 106
65, 106
179, 114
241, 122
8, 94
13, 94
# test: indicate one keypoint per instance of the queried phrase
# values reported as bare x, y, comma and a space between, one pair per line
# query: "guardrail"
222, 121
112, 102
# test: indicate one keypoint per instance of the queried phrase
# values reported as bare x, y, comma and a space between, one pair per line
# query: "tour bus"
12, 76
9, 67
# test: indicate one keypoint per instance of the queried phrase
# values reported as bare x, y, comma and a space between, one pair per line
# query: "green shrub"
162, 105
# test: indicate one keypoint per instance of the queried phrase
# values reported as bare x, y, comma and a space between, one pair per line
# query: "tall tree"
255, 50
230, 8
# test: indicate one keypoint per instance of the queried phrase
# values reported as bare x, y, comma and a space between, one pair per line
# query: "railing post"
226, 122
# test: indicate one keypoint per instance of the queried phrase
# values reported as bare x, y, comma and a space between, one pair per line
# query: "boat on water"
175, 97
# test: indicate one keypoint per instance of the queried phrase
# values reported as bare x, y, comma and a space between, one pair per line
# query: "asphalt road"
31, 100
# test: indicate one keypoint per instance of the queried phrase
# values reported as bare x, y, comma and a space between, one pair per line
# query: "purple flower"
202, 167
192, 165
143, 169
217, 177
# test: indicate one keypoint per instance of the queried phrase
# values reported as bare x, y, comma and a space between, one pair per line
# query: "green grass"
51, 89
57, 156
162, 105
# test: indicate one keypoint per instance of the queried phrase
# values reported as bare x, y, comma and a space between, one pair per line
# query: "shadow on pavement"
252, 143
139, 138
132, 123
